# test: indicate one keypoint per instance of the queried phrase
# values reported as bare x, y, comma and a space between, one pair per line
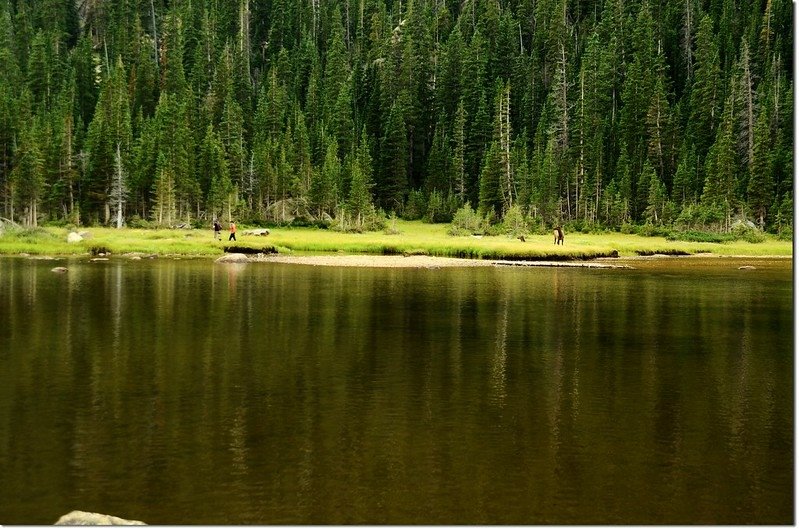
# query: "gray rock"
233, 258
85, 234
74, 237
261, 232
93, 518
59, 269
746, 267
743, 224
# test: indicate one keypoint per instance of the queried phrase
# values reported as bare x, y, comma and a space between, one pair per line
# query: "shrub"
467, 222
139, 223
391, 225
58, 223
650, 230
372, 220
697, 236
32, 234
754, 236
415, 206
514, 223
441, 208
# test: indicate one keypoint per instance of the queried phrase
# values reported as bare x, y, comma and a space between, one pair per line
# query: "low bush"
467, 222
697, 236
139, 223
391, 225
38, 234
416, 205
650, 230
514, 223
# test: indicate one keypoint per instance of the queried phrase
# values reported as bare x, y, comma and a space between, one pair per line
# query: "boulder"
260, 232
233, 258
93, 518
74, 237
85, 234
59, 269
743, 225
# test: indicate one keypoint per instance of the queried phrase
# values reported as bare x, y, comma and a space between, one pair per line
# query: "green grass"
434, 239
414, 238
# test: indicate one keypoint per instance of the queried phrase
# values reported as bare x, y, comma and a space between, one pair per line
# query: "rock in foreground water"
93, 518
233, 258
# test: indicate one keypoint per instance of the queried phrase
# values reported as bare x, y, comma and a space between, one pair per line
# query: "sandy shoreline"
433, 262
426, 261
374, 261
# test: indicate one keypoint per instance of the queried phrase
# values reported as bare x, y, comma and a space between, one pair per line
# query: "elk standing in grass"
558, 235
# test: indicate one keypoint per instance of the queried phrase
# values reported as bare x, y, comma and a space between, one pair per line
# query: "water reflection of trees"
316, 395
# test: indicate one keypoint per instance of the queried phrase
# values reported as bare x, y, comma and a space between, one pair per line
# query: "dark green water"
192, 392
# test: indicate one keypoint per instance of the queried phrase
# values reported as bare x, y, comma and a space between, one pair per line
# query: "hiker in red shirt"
232, 231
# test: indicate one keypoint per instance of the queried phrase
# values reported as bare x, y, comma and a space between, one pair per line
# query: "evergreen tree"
685, 188
705, 91
718, 196
394, 166
231, 131
438, 164
760, 187
342, 120
359, 200
110, 126
173, 78
458, 153
490, 181
212, 171
28, 175
165, 204
325, 188
119, 189
656, 199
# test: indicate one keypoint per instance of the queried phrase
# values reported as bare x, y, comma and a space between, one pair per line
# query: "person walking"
232, 231
217, 230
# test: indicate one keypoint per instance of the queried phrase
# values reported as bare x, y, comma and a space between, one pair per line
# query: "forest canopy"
607, 113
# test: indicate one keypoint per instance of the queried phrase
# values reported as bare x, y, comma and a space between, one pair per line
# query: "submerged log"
248, 250
233, 258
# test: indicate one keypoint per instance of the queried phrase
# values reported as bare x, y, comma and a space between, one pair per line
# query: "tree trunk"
155, 37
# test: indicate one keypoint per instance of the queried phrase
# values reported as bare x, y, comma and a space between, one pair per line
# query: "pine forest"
592, 113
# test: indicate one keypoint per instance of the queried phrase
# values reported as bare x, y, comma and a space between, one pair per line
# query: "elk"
558, 232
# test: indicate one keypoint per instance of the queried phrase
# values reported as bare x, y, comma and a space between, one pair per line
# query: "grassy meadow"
405, 237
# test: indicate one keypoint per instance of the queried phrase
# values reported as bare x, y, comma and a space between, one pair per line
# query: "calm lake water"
193, 392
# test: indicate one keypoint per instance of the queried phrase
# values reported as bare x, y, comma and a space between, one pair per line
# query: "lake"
189, 392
